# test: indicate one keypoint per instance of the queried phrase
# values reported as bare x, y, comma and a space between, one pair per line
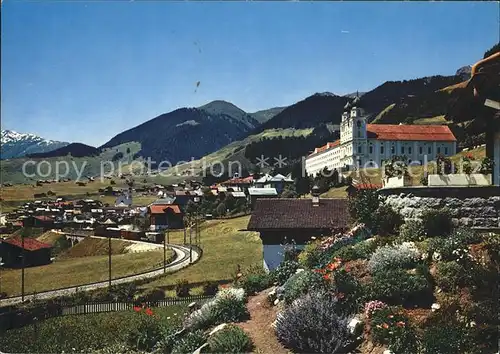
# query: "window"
393, 149
446, 150
382, 149
420, 150
358, 123
371, 149
429, 150
409, 150
359, 133
402, 150
360, 149
439, 150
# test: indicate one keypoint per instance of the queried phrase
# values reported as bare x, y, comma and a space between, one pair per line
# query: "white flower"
299, 270
436, 256
435, 306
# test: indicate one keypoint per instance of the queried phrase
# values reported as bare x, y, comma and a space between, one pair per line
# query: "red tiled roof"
409, 132
30, 244
160, 208
368, 186
326, 147
43, 218
246, 180
288, 213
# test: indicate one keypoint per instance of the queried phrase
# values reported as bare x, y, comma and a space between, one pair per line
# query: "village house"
368, 145
35, 252
286, 220
277, 182
165, 216
256, 193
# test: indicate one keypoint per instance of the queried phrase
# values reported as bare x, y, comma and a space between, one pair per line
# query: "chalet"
256, 193
285, 220
35, 252
165, 216
277, 182
238, 184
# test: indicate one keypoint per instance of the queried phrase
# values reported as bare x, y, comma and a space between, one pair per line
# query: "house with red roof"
165, 216
363, 145
35, 252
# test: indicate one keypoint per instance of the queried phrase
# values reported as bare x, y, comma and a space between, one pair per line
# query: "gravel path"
181, 261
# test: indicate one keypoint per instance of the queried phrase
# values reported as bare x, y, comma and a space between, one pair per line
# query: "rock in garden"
276, 302
217, 329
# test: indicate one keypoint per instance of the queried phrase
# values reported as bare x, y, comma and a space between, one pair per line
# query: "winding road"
181, 261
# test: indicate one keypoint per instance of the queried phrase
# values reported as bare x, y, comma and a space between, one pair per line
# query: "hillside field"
225, 245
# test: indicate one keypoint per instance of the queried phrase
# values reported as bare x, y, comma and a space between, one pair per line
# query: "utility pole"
22, 271
190, 246
165, 250
109, 261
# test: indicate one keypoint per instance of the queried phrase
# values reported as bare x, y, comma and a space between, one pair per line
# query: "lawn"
225, 246
81, 270
83, 333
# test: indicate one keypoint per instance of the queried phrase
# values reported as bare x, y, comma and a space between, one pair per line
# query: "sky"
84, 71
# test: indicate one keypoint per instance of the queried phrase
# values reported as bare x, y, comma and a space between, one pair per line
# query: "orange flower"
148, 312
326, 276
332, 266
385, 325
347, 268
400, 324
137, 309
224, 286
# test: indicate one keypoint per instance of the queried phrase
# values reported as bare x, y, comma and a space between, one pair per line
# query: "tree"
362, 206
302, 185
221, 209
289, 192
128, 151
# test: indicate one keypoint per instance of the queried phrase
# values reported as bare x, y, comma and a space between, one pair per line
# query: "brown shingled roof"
288, 213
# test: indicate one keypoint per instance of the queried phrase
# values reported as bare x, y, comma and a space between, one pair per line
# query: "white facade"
274, 255
363, 145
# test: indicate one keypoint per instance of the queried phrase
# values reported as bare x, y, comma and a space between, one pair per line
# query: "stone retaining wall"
469, 206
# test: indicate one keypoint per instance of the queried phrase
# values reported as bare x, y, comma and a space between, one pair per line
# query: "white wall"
274, 255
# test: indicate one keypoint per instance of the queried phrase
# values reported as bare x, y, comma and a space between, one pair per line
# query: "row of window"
403, 150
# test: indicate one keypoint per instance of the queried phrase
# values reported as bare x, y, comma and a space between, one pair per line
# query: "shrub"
362, 205
182, 288
446, 338
231, 339
412, 231
436, 222
228, 305
210, 288
301, 283
146, 334
372, 306
492, 245
254, 283
153, 295
284, 271
405, 255
361, 250
398, 286
254, 279
449, 275
230, 309
312, 325
189, 342
454, 247
310, 255
393, 328
387, 220
348, 290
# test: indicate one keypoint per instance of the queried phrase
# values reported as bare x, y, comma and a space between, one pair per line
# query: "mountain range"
222, 129
14, 144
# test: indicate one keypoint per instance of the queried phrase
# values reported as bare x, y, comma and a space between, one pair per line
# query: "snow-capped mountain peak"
14, 144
